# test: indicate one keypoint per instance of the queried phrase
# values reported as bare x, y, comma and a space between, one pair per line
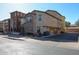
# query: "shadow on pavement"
66, 37
12, 38
16, 36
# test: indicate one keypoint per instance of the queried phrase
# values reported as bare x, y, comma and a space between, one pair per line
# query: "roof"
48, 14
6, 19
55, 11
18, 12
49, 10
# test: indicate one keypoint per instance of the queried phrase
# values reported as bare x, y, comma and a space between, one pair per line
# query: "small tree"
77, 22
67, 23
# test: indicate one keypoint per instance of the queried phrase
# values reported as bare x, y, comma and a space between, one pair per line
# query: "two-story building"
41, 22
15, 21
6, 25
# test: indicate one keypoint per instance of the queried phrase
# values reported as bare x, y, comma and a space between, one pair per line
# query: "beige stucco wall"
45, 24
54, 13
47, 21
62, 18
63, 24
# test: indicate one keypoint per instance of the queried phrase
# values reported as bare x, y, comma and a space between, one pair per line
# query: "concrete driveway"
18, 45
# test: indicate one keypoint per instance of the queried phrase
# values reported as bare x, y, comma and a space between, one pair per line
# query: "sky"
69, 10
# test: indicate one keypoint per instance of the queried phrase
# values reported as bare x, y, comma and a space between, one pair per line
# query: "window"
22, 20
28, 19
40, 17
15, 14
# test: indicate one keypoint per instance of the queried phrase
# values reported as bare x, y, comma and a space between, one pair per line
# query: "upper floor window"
22, 20
28, 19
15, 14
40, 17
